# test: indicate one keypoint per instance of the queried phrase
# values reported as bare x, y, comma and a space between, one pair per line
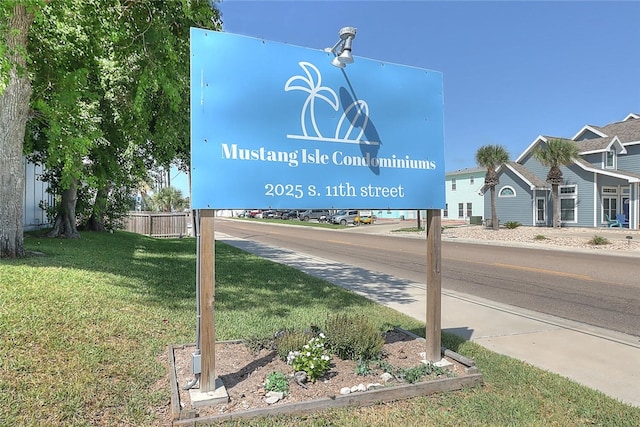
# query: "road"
595, 289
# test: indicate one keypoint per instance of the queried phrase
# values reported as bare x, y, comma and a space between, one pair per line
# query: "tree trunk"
14, 109
495, 223
65, 223
556, 205
96, 221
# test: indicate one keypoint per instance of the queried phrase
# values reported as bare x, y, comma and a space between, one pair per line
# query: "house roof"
538, 140
627, 131
595, 145
526, 175
466, 171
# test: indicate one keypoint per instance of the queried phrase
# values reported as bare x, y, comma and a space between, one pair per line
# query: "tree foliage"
491, 157
553, 154
111, 84
169, 199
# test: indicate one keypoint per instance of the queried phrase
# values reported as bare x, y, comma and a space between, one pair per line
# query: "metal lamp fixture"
342, 49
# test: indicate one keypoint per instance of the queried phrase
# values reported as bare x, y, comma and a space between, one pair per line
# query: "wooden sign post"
206, 274
434, 285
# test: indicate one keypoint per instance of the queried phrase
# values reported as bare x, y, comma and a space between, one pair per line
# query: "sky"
512, 70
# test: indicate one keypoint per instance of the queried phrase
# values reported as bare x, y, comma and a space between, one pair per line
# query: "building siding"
518, 208
35, 194
630, 161
469, 183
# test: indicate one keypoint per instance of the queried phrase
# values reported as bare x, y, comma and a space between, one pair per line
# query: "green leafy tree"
109, 98
556, 153
491, 157
16, 18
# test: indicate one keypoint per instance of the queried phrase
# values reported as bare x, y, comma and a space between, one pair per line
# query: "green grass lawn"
85, 329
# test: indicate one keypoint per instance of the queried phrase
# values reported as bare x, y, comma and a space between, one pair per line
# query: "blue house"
603, 181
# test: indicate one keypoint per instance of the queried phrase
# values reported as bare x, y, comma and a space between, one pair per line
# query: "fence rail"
159, 224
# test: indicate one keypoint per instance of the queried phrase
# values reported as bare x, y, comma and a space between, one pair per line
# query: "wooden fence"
159, 224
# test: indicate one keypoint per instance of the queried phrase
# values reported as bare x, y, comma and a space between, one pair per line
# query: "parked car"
364, 217
269, 214
256, 213
292, 214
344, 217
314, 214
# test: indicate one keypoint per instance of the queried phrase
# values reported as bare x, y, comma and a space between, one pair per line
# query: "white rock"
373, 386
345, 390
273, 396
386, 377
271, 400
361, 387
442, 363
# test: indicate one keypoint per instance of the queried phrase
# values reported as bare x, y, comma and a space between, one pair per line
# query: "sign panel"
277, 126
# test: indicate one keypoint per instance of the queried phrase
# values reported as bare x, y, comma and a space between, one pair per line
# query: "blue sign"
277, 126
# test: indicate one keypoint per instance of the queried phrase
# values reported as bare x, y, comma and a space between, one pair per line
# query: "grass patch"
511, 225
599, 240
85, 330
540, 237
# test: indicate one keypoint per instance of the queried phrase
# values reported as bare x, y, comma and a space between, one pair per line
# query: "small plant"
540, 237
416, 373
312, 358
277, 381
599, 240
255, 344
512, 224
290, 340
362, 368
354, 337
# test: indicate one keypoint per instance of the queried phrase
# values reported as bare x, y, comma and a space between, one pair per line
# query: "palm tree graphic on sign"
355, 115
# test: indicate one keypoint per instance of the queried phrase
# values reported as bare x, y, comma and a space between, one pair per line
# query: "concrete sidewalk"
598, 358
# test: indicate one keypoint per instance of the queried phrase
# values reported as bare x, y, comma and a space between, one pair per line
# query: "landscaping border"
188, 416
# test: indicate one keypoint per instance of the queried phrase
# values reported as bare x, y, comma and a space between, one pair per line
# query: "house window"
446, 210
568, 203
471, 180
460, 210
610, 159
453, 184
541, 210
609, 202
469, 210
507, 191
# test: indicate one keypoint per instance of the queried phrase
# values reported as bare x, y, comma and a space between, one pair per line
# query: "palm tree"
556, 153
491, 157
169, 199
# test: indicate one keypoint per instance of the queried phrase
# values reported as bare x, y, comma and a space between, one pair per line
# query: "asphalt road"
594, 289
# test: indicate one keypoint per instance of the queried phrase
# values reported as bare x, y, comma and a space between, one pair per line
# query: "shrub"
512, 224
312, 358
540, 237
277, 381
353, 337
599, 240
290, 340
